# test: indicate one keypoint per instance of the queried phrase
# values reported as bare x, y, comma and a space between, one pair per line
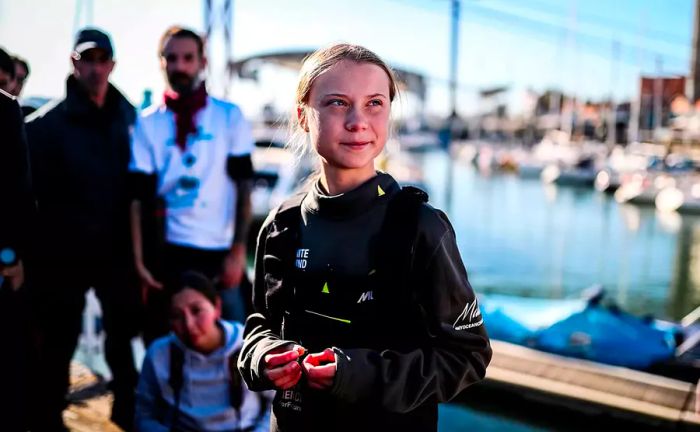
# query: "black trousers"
17, 360
59, 299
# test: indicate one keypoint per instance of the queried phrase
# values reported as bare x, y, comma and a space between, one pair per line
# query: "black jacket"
80, 155
17, 209
394, 303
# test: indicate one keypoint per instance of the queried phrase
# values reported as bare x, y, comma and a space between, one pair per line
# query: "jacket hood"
233, 340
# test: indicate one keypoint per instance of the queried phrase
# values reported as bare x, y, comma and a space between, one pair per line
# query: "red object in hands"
327, 356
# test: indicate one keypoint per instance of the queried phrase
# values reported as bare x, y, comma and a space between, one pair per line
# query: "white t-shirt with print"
198, 192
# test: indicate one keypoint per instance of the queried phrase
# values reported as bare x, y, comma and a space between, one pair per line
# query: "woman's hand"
281, 366
320, 369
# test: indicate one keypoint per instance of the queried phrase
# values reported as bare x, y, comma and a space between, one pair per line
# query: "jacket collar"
78, 103
352, 203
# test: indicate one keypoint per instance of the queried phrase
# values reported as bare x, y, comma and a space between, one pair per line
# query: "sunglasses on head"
93, 57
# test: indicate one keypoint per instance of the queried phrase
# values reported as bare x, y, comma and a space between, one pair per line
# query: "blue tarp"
599, 334
519, 319
576, 328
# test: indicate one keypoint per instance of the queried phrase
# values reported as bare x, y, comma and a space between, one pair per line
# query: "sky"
593, 48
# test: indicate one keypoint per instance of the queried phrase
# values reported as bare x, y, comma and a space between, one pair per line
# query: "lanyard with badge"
186, 188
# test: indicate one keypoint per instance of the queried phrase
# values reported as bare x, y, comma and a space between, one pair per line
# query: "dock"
588, 386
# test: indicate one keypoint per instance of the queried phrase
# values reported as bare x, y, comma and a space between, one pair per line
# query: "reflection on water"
521, 237
458, 418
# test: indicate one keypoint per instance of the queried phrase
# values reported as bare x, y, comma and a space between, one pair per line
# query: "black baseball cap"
90, 38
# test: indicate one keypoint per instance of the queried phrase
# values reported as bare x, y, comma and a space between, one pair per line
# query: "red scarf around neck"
185, 108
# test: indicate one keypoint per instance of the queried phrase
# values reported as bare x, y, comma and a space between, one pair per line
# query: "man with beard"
79, 150
192, 154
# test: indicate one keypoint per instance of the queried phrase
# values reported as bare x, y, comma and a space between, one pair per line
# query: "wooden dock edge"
610, 388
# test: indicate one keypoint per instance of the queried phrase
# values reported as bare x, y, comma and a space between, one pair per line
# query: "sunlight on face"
92, 70
182, 63
347, 116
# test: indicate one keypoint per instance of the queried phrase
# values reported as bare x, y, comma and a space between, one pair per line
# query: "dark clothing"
18, 210
16, 216
80, 155
16, 362
26, 110
394, 303
59, 313
182, 258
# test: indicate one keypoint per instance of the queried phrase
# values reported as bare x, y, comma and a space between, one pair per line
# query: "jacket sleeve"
142, 158
15, 222
262, 328
456, 355
147, 395
241, 135
43, 157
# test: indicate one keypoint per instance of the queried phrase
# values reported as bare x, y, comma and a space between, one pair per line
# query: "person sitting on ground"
189, 380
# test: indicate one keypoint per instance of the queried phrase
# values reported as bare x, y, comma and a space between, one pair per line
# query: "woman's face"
193, 319
347, 115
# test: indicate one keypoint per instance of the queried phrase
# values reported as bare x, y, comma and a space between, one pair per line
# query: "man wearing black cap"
79, 149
